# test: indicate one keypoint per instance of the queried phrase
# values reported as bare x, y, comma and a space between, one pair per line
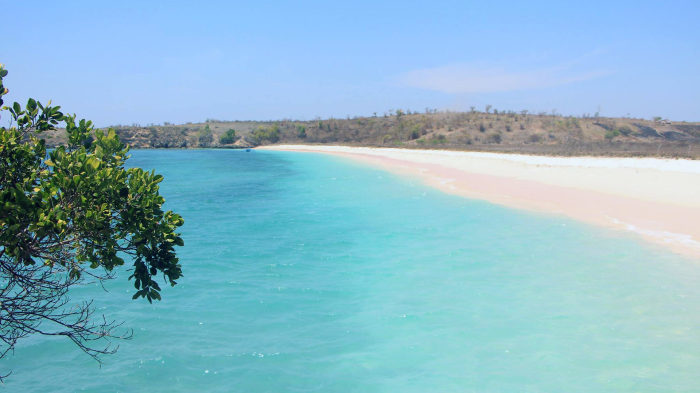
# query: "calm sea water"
310, 273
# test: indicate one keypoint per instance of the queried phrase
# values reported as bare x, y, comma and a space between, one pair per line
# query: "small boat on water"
247, 150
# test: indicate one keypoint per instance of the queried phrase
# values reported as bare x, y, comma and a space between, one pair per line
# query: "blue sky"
178, 61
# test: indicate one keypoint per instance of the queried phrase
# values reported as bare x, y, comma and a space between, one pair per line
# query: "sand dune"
657, 198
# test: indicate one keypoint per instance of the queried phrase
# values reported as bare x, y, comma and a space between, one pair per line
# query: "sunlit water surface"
310, 273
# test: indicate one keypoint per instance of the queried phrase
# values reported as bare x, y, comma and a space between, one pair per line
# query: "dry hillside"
499, 132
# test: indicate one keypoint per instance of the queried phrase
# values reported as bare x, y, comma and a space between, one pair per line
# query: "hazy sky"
148, 62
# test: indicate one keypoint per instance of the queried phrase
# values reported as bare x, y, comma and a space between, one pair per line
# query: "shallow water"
311, 273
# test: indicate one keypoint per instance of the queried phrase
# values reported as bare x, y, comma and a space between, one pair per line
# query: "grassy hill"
479, 131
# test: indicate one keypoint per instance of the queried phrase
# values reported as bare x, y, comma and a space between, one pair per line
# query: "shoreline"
658, 199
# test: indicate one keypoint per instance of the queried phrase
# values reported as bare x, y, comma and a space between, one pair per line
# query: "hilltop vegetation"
496, 131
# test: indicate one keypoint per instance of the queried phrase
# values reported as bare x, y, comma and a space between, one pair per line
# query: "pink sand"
655, 198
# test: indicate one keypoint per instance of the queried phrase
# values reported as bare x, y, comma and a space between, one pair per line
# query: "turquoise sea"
312, 273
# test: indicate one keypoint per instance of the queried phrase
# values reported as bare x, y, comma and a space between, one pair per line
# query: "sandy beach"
659, 199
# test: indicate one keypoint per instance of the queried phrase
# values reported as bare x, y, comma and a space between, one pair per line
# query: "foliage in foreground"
71, 214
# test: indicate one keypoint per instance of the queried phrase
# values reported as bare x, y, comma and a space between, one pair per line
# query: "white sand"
656, 198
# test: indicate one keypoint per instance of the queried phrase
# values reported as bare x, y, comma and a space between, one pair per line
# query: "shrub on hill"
205, 137
228, 137
265, 135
